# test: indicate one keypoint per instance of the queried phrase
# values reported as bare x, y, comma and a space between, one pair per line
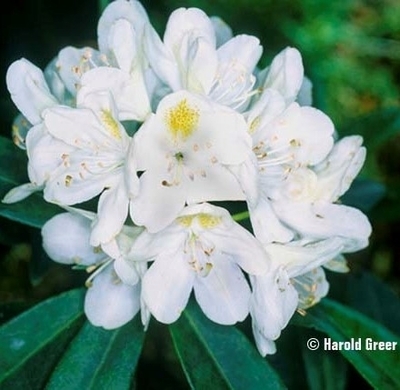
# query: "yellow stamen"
208, 221
254, 124
110, 123
182, 120
68, 180
186, 220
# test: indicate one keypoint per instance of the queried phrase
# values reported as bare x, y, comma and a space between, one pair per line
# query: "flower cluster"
139, 138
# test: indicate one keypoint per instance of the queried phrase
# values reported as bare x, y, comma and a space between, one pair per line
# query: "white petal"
131, 11
131, 177
270, 105
148, 246
218, 183
66, 240
157, 205
29, 90
145, 315
112, 212
161, 59
67, 187
44, 153
109, 303
299, 257
315, 140
186, 20
242, 49
122, 40
274, 301
57, 85
21, 192
127, 89
166, 287
266, 225
264, 345
90, 215
241, 246
322, 220
338, 264
78, 127
190, 36
72, 63
286, 73
223, 294
126, 271
248, 178
201, 62
338, 170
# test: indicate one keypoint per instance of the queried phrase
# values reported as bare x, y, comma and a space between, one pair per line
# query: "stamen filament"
99, 268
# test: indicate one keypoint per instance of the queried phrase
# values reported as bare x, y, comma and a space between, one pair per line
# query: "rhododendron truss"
150, 143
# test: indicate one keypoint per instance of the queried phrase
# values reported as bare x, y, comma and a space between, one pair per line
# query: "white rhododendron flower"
203, 250
173, 141
307, 202
297, 281
285, 139
113, 296
188, 58
33, 91
127, 75
185, 150
77, 154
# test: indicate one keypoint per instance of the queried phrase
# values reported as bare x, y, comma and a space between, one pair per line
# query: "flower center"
199, 256
182, 120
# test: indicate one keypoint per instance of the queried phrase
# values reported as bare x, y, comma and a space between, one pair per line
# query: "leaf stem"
241, 216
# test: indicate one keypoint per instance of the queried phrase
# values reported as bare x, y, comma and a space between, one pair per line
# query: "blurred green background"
351, 53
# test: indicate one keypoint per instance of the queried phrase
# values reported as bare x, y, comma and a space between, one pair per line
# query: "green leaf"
376, 127
388, 210
364, 194
31, 343
367, 294
302, 369
381, 368
288, 360
33, 211
325, 370
13, 163
12, 233
100, 359
219, 357
101, 5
